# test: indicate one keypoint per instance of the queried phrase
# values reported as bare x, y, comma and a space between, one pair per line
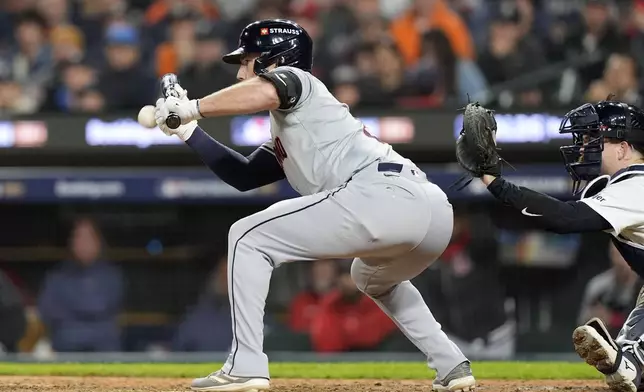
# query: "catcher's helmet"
277, 41
589, 124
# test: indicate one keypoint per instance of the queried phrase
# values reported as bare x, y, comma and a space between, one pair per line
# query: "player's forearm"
242, 173
547, 212
251, 96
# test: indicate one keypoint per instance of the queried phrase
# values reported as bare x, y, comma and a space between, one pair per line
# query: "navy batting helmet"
589, 125
277, 41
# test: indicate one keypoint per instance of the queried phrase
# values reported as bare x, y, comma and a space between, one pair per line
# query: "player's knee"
634, 327
366, 281
238, 231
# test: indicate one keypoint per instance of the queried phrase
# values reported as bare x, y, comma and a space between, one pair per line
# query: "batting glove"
186, 109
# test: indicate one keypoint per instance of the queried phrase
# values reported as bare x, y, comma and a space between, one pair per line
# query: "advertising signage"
415, 131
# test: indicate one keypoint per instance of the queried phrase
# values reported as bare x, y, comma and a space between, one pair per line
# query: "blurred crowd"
78, 306
83, 303
97, 55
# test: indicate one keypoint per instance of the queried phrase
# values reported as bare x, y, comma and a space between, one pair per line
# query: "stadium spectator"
446, 77
12, 314
81, 298
160, 10
508, 56
16, 99
9, 11
469, 268
30, 64
208, 326
125, 83
207, 73
90, 100
94, 18
68, 45
599, 35
382, 75
390, 71
306, 305
524, 36
620, 79
423, 16
611, 295
345, 81
636, 34
180, 49
77, 78
56, 12
349, 320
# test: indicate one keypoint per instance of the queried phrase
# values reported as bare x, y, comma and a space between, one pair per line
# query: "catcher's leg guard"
620, 360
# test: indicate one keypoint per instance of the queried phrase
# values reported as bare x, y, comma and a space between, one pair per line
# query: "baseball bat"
168, 83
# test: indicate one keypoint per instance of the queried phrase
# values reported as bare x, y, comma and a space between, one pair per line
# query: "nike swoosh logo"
526, 213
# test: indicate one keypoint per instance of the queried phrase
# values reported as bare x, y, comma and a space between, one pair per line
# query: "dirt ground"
120, 384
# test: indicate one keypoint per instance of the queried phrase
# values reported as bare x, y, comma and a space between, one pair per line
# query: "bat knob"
173, 121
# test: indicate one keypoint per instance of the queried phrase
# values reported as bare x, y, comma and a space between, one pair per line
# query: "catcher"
608, 155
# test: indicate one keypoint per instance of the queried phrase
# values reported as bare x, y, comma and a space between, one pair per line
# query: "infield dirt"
131, 384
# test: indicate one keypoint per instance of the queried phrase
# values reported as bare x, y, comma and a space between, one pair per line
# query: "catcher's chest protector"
630, 242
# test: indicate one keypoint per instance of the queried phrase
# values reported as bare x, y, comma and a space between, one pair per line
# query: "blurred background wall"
113, 237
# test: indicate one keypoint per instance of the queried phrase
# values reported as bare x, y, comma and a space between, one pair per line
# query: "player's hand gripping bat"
168, 89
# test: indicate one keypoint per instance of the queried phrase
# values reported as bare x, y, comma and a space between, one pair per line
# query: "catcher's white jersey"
621, 203
319, 144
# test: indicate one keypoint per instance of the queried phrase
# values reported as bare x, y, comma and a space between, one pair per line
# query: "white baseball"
146, 116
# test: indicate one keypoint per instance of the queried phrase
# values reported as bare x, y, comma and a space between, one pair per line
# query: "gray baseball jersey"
319, 143
362, 201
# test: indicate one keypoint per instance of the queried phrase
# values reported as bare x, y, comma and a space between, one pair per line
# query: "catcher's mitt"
476, 149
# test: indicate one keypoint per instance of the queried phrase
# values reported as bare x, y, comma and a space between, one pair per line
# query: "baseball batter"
608, 139
360, 199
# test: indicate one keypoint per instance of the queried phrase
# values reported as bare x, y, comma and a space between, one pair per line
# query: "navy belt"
390, 167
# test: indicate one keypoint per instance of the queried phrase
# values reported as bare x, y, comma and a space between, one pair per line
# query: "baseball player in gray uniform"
360, 199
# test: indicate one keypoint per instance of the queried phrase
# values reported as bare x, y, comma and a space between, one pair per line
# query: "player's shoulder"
628, 180
299, 73
624, 188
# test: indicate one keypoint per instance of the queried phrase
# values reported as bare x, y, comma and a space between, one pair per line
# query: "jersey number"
280, 152
368, 134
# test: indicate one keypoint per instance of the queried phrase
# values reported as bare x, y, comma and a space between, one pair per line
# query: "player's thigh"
305, 228
376, 275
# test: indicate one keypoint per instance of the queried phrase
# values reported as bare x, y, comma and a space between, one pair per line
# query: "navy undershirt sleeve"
547, 212
243, 173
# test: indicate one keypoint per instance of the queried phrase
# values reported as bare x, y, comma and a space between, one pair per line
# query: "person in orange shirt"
179, 51
423, 16
160, 9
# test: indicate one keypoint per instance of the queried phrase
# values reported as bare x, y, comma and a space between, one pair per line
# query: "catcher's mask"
590, 125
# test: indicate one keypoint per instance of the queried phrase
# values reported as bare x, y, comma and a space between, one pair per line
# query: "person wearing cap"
125, 82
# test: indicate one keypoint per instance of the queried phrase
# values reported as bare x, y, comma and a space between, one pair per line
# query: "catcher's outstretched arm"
548, 213
243, 173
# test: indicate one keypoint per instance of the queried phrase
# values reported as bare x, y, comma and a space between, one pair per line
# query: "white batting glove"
183, 107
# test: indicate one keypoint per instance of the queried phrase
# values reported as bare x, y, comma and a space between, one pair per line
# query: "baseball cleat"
220, 381
460, 379
620, 367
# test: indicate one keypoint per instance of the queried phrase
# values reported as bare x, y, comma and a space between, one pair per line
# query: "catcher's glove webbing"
476, 149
